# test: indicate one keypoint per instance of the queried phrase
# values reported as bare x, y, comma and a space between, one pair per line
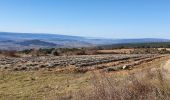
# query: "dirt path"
167, 68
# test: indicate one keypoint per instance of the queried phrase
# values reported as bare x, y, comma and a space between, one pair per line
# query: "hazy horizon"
91, 18
41, 33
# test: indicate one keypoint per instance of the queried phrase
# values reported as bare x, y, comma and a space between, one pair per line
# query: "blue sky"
91, 18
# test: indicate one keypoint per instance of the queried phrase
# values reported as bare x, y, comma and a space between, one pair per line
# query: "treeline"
136, 45
139, 48
60, 51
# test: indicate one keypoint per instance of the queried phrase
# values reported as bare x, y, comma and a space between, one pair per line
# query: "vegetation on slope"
145, 82
137, 45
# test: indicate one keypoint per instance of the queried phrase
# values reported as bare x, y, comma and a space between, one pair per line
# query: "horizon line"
52, 33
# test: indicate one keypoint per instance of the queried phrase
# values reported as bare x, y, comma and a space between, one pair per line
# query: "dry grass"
38, 85
148, 85
164, 48
147, 82
140, 83
115, 51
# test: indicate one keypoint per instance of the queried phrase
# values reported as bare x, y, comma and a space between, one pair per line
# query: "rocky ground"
82, 61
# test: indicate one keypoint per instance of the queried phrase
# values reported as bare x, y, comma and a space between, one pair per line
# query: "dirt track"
167, 68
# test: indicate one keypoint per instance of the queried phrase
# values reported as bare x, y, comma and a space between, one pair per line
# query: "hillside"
40, 40
137, 45
37, 43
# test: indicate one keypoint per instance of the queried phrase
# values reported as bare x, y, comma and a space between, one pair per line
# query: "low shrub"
141, 86
11, 53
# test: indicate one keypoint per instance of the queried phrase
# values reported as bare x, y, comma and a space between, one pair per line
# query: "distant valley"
20, 41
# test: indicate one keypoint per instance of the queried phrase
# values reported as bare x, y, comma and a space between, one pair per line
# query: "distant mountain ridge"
37, 43
19, 41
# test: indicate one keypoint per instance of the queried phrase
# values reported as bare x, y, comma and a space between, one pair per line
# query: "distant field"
116, 51
135, 51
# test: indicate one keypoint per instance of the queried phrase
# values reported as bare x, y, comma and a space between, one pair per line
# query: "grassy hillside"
53, 85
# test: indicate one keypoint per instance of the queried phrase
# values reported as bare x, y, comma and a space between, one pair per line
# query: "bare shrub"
35, 53
91, 52
11, 53
55, 52
132, 87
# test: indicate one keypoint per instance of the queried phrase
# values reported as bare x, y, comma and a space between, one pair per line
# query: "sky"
91, 18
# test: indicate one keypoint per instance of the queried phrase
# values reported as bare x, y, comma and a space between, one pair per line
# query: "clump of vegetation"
149, 51
145, 51
147, 85
55, 52
60, 51
26, 51
11, 53
35, 53
75, 51
164, 51
46, 50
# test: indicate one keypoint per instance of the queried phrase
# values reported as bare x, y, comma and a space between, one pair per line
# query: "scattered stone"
81, 61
